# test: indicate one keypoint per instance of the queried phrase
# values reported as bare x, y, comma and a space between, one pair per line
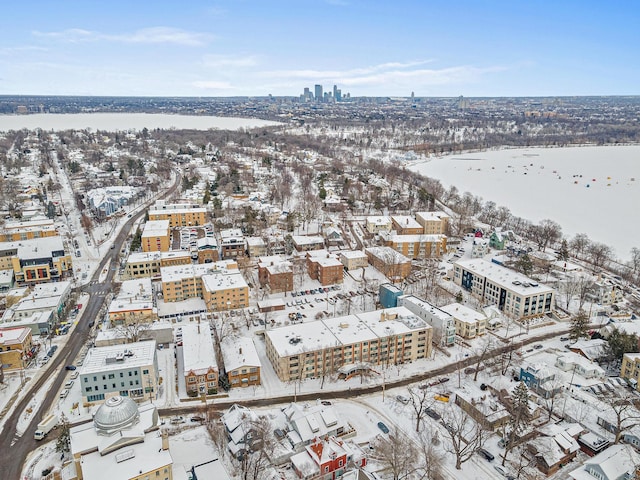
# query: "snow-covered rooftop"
516, 282
98, 359
239, 352
197, 350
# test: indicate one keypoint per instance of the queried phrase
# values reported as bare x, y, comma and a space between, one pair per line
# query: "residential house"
256, 247
232, 243
618, 462
468, 322
333, 236
241, 362
377, 224
307, 243
555, 447
200, 368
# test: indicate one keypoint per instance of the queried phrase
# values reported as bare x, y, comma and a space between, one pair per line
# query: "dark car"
196, 418
383, 427
70, 367
432, 413
488, 456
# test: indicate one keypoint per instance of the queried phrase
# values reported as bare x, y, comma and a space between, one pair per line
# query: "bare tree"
397, 454
421, 400
431, 457
481, 353
580, 244
546, 233
599, 255
626, 415
465, 435
133, 331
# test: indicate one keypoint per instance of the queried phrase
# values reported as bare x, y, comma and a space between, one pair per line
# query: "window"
145, 372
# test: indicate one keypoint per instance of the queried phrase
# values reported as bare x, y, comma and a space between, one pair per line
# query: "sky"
365, 47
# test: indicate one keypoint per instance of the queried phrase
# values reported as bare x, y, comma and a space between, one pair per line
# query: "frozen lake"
592, 190
125, 121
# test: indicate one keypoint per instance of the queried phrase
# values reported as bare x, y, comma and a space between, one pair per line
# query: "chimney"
165, 439
198, 326
240, 351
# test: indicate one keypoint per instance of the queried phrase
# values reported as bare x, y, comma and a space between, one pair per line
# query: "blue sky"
366, 47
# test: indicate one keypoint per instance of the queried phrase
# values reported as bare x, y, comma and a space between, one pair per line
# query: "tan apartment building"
325, 267
406, 225
225, 291
15, 348
512, 292
395, 266
276, 272
16, 231
630, 369
324, 347
156, 236
469, 323
353, 260
185, 281
241, 362
378, 224
37, 260
433, 223
417, 246
179, 214
133, 304
256, 247
141, 264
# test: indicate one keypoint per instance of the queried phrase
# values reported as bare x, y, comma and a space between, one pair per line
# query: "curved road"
15, 448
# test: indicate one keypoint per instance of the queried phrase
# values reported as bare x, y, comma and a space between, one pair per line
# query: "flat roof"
426, 306
35, 248
406, 221
379, 220
144, 354
416, 238
432, 216
155, 228
174, 273
507, 278
216, 282
351, 254
197, 348
387, 254
11, 336
346, 330
307, 239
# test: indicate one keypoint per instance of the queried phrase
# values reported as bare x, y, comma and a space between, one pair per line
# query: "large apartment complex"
383, 337
512, 292
36, 260
178, 214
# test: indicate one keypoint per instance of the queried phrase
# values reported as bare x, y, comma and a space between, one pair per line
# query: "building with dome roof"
124, 441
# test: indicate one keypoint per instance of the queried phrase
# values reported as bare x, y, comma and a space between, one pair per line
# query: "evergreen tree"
520, 416
63, 444
579, 325
563, 253
524, 264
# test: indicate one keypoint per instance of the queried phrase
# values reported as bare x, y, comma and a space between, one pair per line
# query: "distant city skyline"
281, 47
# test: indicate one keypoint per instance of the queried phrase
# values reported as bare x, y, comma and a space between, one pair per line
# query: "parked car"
488, 456
74, 375
383, 427
177, 420
197, 418
402, 399
432, 413
64, 393
70, 367
501, 470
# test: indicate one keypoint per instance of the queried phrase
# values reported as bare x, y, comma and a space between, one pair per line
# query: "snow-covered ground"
592, 190
126, 121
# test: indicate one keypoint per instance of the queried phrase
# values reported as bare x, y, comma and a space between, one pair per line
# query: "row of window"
113, 386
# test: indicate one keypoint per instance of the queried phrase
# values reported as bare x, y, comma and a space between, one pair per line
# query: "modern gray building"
129, 370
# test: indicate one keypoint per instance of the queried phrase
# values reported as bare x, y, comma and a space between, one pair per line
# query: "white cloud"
152, 35
22, 49
392, 73
212, 85
229, 61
